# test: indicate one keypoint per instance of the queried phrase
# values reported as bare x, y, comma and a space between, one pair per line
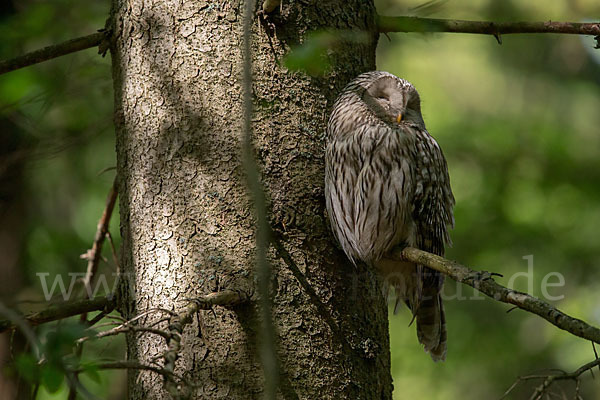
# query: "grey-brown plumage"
387, 185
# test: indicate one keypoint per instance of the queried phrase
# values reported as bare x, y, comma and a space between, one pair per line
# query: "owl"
387, 185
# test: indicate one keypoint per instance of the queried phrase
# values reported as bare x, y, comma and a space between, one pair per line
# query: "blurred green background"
519, 124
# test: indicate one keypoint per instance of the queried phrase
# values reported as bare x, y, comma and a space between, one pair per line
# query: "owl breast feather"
369, 189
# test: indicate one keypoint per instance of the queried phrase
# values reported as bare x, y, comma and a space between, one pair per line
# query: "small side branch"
54, 51
94, 254
64, 310
93, 257
225, 298
484, 282
548, 380
135, 365
417, 24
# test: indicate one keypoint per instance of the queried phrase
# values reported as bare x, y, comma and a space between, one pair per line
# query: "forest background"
519, 125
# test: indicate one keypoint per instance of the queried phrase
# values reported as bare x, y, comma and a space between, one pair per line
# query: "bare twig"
125, 329
63, 310
131, 326
54, 51
484, 282
99, 317
135, 365
22, 324
549, 379
497, 29
94, 254
417, 24
595, 355
268, 353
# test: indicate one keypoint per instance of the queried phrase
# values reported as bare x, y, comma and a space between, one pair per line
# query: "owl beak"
399, 117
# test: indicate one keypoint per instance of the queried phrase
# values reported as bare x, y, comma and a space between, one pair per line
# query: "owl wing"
432, 213
433, 200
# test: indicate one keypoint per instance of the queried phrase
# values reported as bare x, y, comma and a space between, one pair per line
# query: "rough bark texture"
186, 219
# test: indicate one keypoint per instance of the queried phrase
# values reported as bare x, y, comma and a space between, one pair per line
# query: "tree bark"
186, 219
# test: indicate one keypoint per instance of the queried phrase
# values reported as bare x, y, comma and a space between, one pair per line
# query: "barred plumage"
387, 184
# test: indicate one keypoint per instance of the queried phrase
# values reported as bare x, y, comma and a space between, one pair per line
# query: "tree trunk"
186, 219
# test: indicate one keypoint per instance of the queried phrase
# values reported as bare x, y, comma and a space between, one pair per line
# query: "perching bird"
387, 185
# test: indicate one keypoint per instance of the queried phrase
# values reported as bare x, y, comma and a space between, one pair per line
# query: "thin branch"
225, 298
589, 366
99, 317
63, 310
26, 330
125, 329
316, 301
54, 51
548, 380
417, 24
484, 282
126, 364
131, 326
94, 255
134, 365
268, 353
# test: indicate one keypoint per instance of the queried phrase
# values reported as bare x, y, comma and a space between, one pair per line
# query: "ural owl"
387, 185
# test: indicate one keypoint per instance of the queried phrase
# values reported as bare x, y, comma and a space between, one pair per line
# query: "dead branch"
54, 51
549, 379
417, 24
484, 282
63, 310
134, 365
94, 254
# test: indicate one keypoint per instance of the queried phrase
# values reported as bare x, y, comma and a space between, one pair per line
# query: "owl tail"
431, 324
423, 298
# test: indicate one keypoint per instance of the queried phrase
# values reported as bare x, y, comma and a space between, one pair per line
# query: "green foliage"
52, 378
56, 357
57, 341
27, 367
311, 56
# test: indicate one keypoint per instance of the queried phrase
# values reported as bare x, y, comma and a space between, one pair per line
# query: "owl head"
391, 99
